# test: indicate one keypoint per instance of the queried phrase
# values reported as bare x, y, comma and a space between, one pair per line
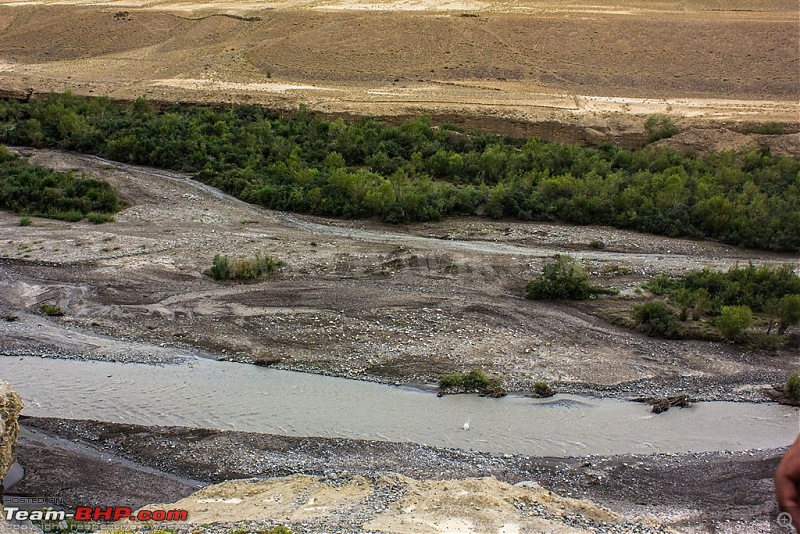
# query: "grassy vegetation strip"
417, 172
33, 190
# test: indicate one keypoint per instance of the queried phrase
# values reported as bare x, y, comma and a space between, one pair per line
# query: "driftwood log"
662, 404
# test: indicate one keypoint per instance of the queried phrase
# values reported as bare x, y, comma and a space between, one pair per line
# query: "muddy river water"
233, 396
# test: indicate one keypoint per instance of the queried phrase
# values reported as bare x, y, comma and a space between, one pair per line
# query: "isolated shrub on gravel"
655, 318
563, 279
659, 127
51, 310
222, 268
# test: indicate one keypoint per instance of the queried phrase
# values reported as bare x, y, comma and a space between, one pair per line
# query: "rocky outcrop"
393, 503
10, 406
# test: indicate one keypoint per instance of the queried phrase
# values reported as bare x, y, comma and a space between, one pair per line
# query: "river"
233, 396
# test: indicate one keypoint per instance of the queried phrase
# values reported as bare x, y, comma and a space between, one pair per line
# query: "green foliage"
659, 127
767, 341
415, 172
276, 530
563, 279
661, 285
769, 128
792, 387
33, 190
656, 319
51, 310
222, 268
25, 221
733, 321
788, 311
451, 381
99, 218
475, 380
542, 389
763, 289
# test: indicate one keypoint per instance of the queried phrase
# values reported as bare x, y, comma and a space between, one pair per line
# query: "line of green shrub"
473, 381
728, 298
33, 190
417, 172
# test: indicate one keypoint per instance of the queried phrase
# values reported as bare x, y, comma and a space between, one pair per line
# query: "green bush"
223, 268
51, 309
542, 389
563, 279
762, 341
451, 381
659, 127
769, 128
656, 319
792, 387
475, 380
25, 221
99, 218
733, 321
788, 312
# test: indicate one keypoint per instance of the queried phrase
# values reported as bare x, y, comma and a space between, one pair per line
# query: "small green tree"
733, 321
563, 279
788, 311
656, 319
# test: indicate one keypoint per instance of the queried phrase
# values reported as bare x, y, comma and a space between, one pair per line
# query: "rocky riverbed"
693, 492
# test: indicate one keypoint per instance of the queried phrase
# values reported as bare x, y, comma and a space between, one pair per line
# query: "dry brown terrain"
511, 66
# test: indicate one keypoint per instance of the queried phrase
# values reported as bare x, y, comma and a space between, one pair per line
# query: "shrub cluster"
773, 291
417, 172
730, 298
472, 381
563, 279
655, 318
222, 268
33, 190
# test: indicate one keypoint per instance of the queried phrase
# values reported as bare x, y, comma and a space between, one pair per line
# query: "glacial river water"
233, 396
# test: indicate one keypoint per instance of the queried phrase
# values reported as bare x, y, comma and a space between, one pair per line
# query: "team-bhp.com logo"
95, 513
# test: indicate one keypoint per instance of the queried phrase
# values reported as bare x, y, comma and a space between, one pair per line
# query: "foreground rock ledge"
10, 407
397, 504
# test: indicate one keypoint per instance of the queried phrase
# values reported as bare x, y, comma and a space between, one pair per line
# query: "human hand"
787, 483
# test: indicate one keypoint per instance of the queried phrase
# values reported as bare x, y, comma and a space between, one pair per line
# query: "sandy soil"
360, 299
527, 67
349, 486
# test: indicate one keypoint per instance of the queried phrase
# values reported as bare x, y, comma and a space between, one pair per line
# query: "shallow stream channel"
234, 396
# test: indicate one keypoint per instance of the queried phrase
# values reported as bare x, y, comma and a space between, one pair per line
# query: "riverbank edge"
735, 490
